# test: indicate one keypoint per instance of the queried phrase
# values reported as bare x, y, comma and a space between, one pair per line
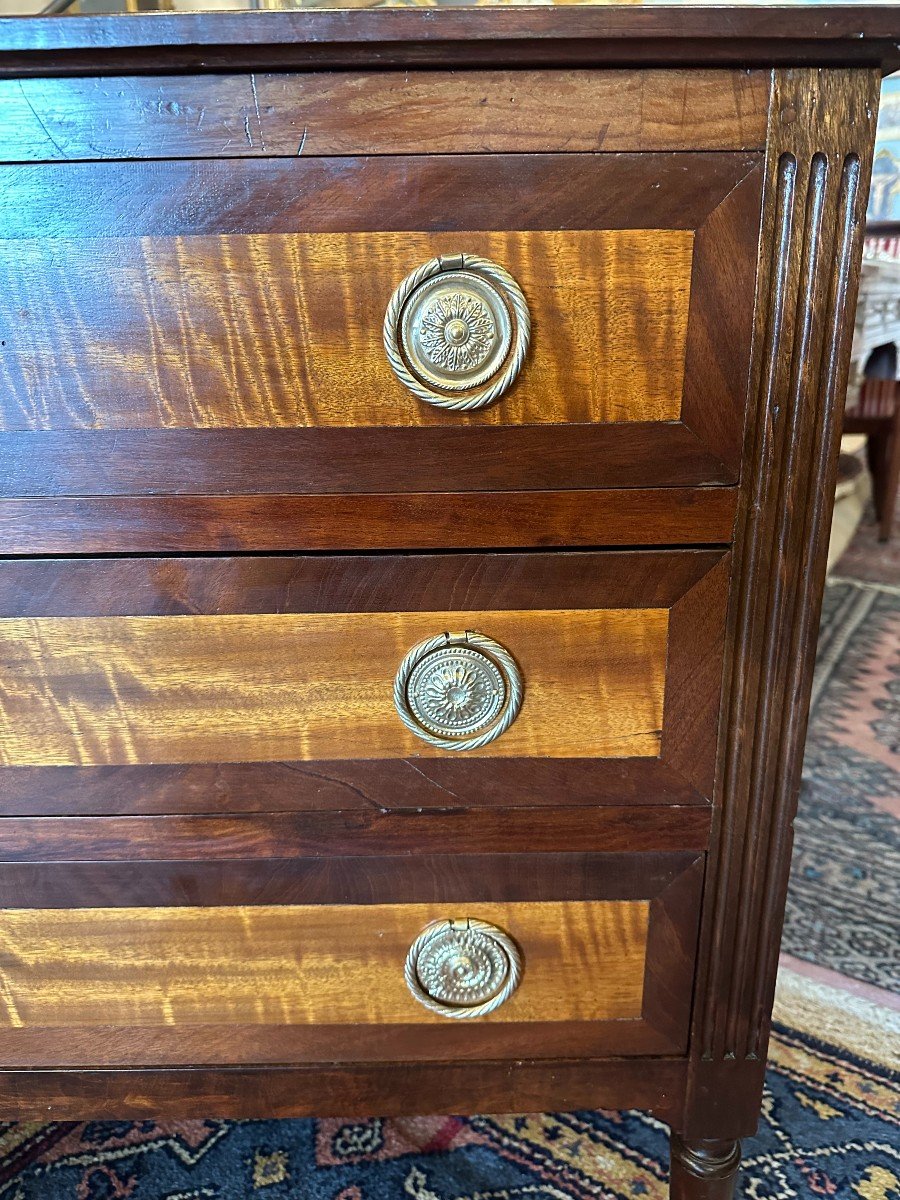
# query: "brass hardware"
456, 331
458, 691
463, 968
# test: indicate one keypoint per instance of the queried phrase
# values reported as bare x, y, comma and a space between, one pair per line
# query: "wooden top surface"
551, 35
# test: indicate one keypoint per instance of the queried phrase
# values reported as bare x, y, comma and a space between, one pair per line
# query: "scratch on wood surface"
41, 122
262, 136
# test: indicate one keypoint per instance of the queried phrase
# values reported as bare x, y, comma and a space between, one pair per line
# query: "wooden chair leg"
875, 458
703, 1170
890, 482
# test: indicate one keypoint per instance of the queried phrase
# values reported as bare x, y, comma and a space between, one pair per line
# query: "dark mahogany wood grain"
694, 679
353, 833
187, 462
393, 785
721, 322
671, 952
98, 587
546, 37
704, 1169
389, 193
239, 1044
381, 879
211, 524
348, 1090
382, 112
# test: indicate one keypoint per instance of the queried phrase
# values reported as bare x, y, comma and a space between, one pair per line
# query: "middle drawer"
451, 681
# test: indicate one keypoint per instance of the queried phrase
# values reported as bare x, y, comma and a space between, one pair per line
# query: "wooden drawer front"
225, 339
189, 984
196, 662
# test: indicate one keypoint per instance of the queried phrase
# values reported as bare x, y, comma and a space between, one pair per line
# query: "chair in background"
873, 401
875, 412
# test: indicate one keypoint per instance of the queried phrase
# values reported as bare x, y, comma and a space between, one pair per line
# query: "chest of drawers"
418, 434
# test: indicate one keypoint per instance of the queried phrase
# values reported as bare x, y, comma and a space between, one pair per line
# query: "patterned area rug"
830, 1128
845, 885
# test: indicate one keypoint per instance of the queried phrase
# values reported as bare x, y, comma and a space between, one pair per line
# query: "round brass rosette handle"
458, 691
456, 331
463, 968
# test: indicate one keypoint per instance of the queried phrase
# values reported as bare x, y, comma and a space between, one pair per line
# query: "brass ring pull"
463, 968
456, 331
458, 691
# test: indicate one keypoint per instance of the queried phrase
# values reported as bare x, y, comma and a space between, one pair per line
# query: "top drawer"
214, 325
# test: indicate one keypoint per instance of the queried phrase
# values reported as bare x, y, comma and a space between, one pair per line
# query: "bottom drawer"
580, 955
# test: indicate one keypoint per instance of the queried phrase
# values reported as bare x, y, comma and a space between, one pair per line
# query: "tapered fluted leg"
703, 1170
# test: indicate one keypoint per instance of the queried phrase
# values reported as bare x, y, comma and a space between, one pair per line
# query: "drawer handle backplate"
458, 691
463, 967
456, 331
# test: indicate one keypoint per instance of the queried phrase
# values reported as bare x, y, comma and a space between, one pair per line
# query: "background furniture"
876, 413
873, 397
419, 436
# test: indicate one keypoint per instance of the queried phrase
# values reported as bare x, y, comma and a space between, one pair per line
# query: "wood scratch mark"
40, 121
262, 136
441, 786
303, 139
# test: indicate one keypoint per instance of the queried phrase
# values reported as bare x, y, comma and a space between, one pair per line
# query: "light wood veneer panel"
302, 965
285, 330
249, 688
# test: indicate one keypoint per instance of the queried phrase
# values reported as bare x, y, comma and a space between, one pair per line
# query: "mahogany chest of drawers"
418, 435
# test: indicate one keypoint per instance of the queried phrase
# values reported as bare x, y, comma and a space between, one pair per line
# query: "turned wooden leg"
876, 458
891, 484
703, 1170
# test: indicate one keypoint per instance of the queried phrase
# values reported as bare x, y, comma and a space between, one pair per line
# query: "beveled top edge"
565, 35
